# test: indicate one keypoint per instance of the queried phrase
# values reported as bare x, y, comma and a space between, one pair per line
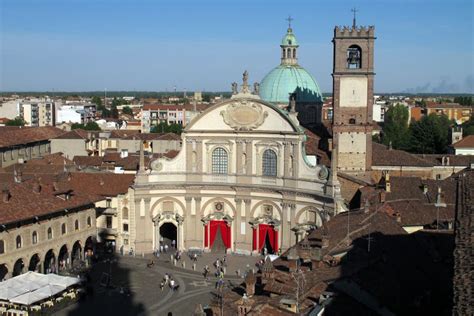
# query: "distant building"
465, 146
10, 109
18, 145
154, 114
453, 111
76, 113
38, 112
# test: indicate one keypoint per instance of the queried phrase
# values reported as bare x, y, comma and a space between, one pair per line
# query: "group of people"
168, 280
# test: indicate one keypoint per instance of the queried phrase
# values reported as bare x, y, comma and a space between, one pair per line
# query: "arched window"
288, 53
89, 222
354, 57
219, 161
76, 225
294, 52
269, 163
63, 229
125, 213
50, 233
18, 242
34, 238
2, 247
352, 121
283, 53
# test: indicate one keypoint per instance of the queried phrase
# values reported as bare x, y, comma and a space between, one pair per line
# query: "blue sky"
84, 45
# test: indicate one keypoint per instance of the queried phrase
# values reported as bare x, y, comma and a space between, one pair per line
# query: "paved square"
145, 296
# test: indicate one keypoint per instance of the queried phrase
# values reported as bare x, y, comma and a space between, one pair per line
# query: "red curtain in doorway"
211, 231
265, 229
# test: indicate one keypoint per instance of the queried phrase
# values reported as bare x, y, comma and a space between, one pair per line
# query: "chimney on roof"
37, 187
440, 198
398, 217
388, 186
382, 196
390, 145
425, 188
250, 281
367, 206
55, 185
101, 181
17, 176
6, 194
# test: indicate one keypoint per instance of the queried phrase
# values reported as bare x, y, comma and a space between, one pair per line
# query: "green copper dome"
283, 80
289, 77
289, 39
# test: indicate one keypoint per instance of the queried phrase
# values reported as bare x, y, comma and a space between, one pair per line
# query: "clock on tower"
353, 83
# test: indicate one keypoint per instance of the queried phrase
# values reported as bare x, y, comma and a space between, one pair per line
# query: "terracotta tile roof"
51, 159
466, 142
383, 156
111, 157
416, 213
122, 133
454, 160
100, 184
76, 134
82, 161
434, 105
24, 203
312, 148
19, 136
154, 136
171, 154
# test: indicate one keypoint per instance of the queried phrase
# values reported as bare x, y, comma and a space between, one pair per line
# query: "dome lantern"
289, 46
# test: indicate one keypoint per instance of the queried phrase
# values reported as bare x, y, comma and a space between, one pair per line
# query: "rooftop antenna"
289, 19
354, 10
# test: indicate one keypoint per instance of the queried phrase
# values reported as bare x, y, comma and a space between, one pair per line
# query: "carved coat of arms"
244, 115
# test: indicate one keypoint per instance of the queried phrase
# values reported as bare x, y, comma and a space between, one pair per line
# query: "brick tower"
353, 89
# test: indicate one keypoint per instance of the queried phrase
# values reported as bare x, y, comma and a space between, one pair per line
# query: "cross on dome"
289, 19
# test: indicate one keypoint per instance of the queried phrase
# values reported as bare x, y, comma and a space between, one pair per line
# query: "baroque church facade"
241, 183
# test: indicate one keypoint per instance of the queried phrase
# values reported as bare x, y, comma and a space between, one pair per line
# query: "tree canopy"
396, 130
17, 121
430, 135
164, 127
468, 127
127, 110
89, 126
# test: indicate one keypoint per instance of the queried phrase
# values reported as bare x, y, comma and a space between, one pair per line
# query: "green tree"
163, 127
89, 126
468, 127
395, 129
97, 101
127, 110
430, 135
114, 112
17, 121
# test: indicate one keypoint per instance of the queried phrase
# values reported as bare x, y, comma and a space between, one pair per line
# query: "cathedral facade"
241, 183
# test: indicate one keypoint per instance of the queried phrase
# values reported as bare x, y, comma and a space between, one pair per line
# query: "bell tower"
353, 90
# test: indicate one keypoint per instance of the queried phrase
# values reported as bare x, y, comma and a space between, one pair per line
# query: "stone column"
286, 159
237, 221
285, 227
189, 222
198, 228
248, 234
249, 153
296, 156
239, 164
200, 159
292, 210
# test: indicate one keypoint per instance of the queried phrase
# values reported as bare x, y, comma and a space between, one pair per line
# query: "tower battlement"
351, 32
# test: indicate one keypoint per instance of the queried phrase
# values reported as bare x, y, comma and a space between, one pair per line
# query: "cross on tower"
289, 19
354, 10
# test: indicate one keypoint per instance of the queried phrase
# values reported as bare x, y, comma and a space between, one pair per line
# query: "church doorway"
265, 239
168, 233
217, 236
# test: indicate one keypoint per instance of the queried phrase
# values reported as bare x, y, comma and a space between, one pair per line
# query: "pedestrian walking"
206, 272
161, 248
166, 248
162, 285
173, 243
